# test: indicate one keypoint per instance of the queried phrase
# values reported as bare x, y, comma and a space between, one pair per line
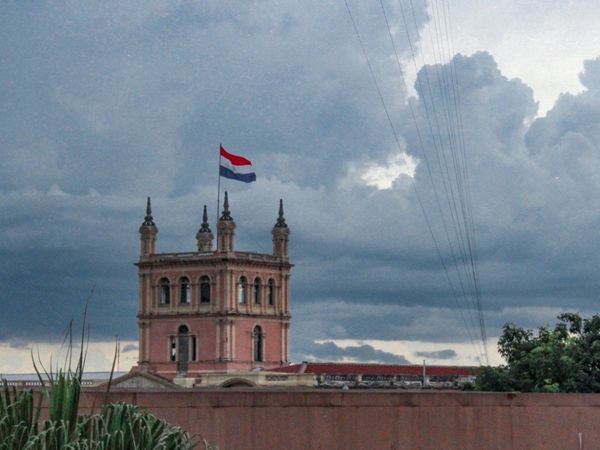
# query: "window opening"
183, 344
184, 290
243, 291
173, 349
257, 291
271, 293
258, 344
204, 289
165, 291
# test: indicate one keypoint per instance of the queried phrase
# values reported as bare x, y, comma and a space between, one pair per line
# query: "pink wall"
319, 419
222, 324
272, 345
205, 331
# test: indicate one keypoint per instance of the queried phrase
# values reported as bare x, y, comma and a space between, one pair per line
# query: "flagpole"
218, 193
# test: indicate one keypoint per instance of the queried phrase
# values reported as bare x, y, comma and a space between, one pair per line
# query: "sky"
105, 103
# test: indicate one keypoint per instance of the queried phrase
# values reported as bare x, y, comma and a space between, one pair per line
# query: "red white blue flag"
236, 167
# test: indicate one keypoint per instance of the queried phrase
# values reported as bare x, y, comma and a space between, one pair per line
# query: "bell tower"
217, 310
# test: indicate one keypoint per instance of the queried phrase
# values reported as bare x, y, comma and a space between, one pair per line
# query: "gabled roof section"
137, 379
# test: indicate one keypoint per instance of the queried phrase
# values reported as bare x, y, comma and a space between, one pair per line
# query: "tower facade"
213, 309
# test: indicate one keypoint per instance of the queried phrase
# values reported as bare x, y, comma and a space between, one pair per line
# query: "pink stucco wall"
204, 329
223, 328
321, 419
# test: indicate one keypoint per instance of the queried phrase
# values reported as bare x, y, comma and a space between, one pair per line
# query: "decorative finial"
148, 220
281, 220
226, 214
205, 228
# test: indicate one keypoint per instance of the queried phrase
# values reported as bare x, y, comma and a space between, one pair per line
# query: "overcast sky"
104, 103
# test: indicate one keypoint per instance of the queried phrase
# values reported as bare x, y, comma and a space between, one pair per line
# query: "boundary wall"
247, 419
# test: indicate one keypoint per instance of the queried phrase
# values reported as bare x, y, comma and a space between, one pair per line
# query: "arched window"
256, 291
183, 349
165, 291
271, 292
258, 339
243, 291
184, 290
204, 289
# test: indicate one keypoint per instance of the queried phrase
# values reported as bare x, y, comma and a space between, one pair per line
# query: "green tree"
563, 359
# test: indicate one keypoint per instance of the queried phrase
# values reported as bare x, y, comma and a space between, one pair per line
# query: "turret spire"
148, 232
204, 236
281, 220
148, 220
281, 234
226, 215
225, 229
205, 227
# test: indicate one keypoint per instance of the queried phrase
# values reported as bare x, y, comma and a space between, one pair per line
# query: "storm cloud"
440, 354
106, 103
329, 351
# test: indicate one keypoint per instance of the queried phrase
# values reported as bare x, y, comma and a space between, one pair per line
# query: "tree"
563, 359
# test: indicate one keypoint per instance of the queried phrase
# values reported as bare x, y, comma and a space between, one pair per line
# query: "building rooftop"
329, 368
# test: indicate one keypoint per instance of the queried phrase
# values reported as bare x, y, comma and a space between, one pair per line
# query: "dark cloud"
19, 343
329, 351
590, 77
440, 354
129, 102
129, 348
106, 103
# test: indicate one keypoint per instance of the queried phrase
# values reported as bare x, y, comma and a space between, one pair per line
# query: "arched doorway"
183, 344
258, 344
237, 383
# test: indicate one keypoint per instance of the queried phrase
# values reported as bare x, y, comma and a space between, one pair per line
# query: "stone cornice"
246, 259
218, 315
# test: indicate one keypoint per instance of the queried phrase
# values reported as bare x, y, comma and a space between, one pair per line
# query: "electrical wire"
445, 126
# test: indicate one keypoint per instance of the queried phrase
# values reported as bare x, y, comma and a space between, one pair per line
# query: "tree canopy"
563, 359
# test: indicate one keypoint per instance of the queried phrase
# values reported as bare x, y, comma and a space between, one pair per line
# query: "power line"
453, 170
447, 76
422, 146
431, 110
395, 134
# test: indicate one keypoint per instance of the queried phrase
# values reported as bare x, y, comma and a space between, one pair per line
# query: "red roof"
327, 368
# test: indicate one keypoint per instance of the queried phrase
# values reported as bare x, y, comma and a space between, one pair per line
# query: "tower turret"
204, 237
281, 234
225, 228
148, 232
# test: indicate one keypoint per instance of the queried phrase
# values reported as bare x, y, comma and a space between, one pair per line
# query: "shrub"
117, 426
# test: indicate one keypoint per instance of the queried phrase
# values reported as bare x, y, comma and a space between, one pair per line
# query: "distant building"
361, 375
213, 309
32, 380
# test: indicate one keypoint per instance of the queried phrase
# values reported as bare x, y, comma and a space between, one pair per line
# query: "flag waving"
236, 167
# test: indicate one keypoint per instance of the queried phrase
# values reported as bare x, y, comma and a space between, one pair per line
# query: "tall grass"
117, 426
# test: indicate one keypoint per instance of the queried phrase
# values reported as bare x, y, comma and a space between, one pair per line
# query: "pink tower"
213, 310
